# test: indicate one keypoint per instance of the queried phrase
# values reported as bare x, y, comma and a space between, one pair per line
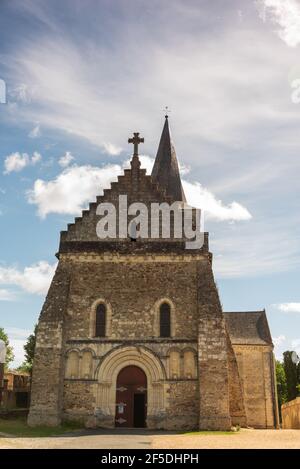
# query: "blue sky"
81, 76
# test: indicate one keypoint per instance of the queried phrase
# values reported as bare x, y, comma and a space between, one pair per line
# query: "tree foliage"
292, 375
9, 350
281, 385
29, 348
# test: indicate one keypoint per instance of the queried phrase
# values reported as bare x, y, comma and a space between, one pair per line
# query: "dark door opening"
22, 399
139, 406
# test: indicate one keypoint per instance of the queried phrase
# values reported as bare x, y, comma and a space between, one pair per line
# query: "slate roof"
165, 171
248, 327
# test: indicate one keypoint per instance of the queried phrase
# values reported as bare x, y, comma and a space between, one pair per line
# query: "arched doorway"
131, 398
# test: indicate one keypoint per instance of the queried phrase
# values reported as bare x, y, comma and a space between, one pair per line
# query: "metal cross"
136, 140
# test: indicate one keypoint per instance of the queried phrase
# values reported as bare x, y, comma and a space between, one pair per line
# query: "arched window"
165, 320
100, 320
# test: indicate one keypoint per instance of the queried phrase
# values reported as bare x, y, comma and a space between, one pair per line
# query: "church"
132, 331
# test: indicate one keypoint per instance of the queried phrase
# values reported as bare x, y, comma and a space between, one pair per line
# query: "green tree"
9, 350
291, 374
29, 348
281, 385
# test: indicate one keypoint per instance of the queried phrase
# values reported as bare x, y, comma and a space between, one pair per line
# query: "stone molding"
130, 258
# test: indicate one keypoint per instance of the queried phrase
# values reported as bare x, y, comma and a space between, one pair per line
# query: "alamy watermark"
156, 221
2, 92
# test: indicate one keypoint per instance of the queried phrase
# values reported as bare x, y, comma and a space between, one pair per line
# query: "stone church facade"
132, 332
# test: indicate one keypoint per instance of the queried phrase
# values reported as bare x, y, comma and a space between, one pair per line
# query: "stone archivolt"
112, 364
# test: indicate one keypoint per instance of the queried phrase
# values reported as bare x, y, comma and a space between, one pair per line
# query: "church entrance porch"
131, 398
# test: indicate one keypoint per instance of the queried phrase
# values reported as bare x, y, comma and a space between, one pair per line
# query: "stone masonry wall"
212, 354
291, 414
48, 368
79, 400
133, 317
236, 395
256, 370
139, 286
183, 405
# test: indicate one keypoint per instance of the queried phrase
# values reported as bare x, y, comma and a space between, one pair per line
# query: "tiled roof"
248, 327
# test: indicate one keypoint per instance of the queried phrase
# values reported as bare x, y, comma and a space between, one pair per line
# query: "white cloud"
200, 197
146, 163
22, 93
112, 149
72, 189
16, 162
295, 343
6, 295
70, 94
286, 14
289, 307
66, 159
184, 169
33, 279
283, 343
35, 132
277, 341
247, 250
36, 157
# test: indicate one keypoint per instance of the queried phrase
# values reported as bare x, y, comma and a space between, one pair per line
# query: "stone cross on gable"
136, 140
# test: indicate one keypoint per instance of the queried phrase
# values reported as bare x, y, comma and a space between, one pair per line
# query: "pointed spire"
165, 171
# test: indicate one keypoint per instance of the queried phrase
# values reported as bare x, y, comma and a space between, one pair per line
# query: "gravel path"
101, 439
244, 439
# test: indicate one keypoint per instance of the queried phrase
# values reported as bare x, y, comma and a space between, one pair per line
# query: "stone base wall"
182, 406
172, 404
181, 402
190, 375
236, 396
48, 366
214, 411
291, 414
255, 364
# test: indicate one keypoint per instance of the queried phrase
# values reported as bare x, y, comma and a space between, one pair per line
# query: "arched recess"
156, 315
111, 366
72, 367
189, 363
174, 363
93, 317
86, 369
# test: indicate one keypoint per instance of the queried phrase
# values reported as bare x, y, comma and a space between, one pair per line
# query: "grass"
18, 427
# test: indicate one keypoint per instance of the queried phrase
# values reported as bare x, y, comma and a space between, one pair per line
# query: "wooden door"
131, 397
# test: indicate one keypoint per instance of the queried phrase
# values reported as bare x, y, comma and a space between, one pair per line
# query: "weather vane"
167, 112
